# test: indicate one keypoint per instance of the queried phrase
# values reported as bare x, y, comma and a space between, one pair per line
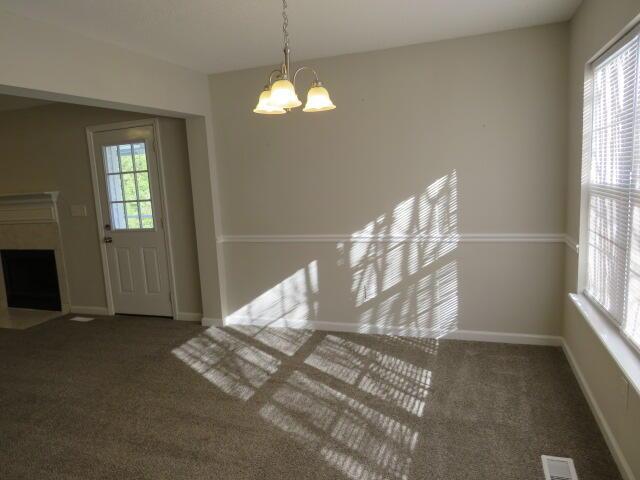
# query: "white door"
133, 231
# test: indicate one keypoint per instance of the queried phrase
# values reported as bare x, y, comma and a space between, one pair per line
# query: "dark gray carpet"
129, 398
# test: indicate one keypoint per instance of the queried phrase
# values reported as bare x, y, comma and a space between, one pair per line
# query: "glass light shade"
264, 105
283, 95
318, 100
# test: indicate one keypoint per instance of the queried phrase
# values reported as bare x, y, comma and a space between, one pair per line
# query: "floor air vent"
558, 468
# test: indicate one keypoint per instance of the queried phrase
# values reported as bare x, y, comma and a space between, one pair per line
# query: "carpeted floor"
134, 398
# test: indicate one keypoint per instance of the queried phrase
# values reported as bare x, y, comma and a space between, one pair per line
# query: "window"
612, 186
128, 186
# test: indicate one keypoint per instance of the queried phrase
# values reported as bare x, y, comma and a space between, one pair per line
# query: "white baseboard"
211, 322
501, 337
189, 316
470, 335
614, 447
84, 310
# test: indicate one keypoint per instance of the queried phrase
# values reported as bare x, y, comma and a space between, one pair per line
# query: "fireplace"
31, 279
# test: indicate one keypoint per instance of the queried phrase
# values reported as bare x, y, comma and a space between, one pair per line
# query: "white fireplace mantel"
39, 207
30, 221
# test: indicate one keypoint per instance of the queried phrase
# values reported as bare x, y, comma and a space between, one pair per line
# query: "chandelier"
279, 95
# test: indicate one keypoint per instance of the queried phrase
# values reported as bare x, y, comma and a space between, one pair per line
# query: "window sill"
625, 356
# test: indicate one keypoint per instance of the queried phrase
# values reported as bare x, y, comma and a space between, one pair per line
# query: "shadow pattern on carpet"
126, 397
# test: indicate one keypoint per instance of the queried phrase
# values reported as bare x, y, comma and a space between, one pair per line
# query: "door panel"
133, 231
124, 276
151, 270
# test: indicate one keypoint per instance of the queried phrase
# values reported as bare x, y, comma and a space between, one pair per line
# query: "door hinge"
170, 297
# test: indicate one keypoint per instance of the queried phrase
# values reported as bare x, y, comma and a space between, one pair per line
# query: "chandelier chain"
285, 24
279, 94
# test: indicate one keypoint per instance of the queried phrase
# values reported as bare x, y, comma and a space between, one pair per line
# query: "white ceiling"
222, 35
9, 102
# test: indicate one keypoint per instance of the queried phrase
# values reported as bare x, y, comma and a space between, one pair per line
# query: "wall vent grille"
558, 468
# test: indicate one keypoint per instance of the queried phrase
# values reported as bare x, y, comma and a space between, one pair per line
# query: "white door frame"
155, 124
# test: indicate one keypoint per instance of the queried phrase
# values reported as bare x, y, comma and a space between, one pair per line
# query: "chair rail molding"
571, 243
417, 238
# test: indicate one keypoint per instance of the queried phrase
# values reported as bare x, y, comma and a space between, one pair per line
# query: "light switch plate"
78, 210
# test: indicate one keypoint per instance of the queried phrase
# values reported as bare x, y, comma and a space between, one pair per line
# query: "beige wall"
474, 127
45, 148
479, 287
594, 25
49, 61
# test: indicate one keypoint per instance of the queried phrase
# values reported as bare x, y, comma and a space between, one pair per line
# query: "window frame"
608, 52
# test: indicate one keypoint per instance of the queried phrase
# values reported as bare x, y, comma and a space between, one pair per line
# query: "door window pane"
128, 187
133, 215
126, 159
144, 192
146, 214
140, 156
118, 221
111, 156
115, 188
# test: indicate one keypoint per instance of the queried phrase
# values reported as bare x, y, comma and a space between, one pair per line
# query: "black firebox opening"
31, 279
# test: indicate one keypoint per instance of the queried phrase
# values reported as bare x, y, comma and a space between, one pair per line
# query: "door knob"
108, 239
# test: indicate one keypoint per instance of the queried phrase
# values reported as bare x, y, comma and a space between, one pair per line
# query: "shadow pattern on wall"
399, 273
353, 404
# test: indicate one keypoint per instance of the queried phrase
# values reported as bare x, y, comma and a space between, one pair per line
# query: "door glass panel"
118, 221
111, 155
133, 215
126, 159
128, 188
115, 187
146, 215
142, 180
140, 157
